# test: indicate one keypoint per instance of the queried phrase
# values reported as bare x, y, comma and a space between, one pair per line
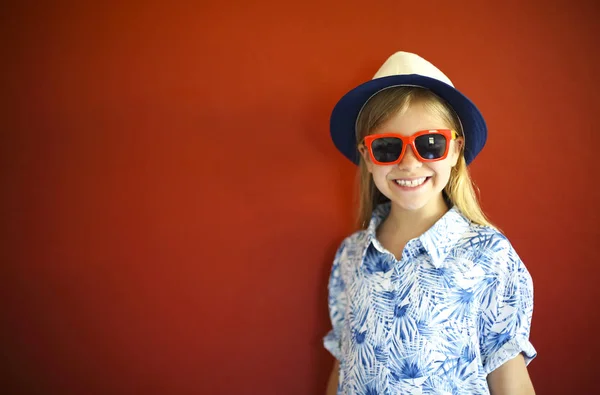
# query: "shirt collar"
437, 240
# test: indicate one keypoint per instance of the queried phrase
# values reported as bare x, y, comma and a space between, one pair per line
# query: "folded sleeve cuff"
332, 343
508, 351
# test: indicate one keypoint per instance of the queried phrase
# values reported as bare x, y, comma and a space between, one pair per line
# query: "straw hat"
405, 69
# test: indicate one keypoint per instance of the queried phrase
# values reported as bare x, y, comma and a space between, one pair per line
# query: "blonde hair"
460, 190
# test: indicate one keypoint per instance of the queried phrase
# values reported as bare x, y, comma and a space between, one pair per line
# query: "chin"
409, 206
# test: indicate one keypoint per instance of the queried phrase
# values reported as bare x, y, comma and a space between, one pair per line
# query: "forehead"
415, 118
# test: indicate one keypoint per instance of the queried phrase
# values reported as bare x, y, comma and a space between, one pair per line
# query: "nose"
410, 161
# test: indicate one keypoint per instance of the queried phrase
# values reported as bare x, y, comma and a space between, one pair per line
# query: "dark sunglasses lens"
386, 149
431, 146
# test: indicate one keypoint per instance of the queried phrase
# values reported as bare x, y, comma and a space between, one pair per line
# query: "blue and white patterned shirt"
453, 309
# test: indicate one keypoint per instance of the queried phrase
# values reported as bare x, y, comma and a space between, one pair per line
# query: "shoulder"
349, 253
491, 250
504, 277
353, 244
484, 238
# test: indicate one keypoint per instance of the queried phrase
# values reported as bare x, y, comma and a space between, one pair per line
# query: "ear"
364, 152
456, 149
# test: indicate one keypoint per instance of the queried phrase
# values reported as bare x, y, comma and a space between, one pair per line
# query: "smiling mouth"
413, 183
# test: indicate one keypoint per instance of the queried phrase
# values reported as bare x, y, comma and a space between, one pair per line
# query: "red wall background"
171, 200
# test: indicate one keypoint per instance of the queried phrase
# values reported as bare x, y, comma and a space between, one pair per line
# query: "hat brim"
346, 111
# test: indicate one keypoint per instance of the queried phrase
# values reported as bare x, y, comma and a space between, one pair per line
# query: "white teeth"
411, 183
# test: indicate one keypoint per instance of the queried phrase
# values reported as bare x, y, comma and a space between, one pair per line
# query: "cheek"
442, 169
380, 173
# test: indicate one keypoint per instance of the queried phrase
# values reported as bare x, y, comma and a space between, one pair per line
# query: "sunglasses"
428, 146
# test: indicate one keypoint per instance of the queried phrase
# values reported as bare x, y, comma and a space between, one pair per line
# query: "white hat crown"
404, 63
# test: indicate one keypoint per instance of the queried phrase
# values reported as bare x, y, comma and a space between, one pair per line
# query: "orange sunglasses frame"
409, 141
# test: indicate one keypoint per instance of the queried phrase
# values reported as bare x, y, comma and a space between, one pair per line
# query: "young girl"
428, 298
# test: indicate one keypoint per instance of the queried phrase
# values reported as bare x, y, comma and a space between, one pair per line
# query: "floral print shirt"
453, 309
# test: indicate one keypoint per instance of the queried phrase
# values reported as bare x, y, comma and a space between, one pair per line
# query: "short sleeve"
507, 308
337, 305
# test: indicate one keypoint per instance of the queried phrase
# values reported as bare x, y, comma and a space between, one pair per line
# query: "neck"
409, 224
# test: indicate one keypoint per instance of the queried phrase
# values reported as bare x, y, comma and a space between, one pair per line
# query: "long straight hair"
460, 190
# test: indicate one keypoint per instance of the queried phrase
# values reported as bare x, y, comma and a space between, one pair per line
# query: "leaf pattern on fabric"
454, 308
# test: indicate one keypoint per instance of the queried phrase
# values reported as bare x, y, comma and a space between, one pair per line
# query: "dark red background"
171, 200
